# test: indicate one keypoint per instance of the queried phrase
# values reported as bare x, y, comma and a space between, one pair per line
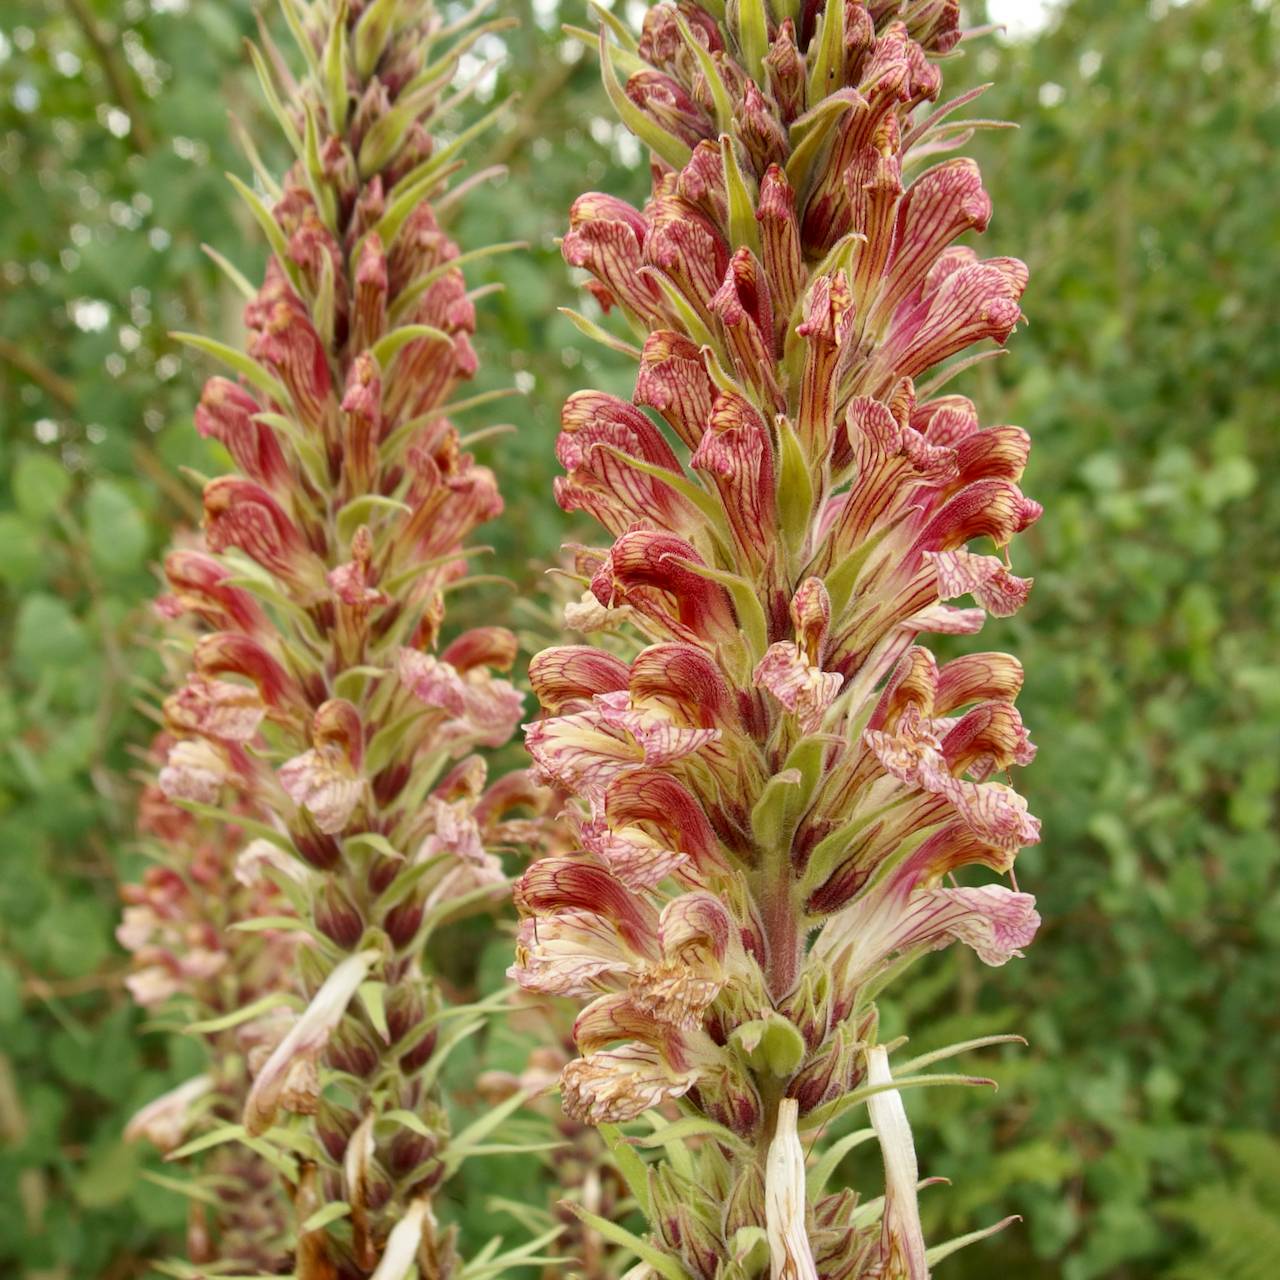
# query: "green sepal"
944, 1250
409, 192
319, 187
743, 227
663, 144
409, 295
822, 1172
621, 32
809, 134
589, 329
334, 1211
362, 509
749, 22
386, 741
795, 489
352, 682
373, 996
746, 603
689, 1127
373, 33
466, 1141
838, 1106
954, 1050
787, 794
634, 1171
715, 82
182, 1187
826, 62
771, 1045
273, 98
237, 277
293, 19
710, 509
841, 580
749, 1250
335, 70
233, 1019
694, 325
385, 350
250, 826
249, 368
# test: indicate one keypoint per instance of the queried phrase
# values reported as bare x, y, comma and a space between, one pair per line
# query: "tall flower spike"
773, 796
318, 698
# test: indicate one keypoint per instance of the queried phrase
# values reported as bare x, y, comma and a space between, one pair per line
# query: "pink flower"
784, 747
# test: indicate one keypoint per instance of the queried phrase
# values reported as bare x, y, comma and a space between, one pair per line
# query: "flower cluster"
321, 712
188, 956
772, 796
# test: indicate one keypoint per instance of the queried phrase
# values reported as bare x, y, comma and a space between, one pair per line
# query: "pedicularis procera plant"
766, 783
772, 798
322, 718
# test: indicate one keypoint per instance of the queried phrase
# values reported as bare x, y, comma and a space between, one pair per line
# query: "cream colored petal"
784, 1200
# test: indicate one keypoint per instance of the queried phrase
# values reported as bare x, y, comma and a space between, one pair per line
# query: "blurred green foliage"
1141, 189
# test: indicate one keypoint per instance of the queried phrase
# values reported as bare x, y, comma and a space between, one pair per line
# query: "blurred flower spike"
321, 719
773, 796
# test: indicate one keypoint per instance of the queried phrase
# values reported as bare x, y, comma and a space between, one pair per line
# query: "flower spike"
788, 516
323, 710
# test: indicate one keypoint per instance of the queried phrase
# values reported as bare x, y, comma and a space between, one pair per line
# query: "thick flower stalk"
773, 796
320, 692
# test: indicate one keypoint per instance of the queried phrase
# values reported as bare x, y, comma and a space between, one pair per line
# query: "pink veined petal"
994, 921
805, 690
636, 858
431, 681
619, 1084
582, 753
567, 953
986, 578
320, 782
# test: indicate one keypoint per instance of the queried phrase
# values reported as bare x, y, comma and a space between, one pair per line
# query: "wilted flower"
166, 1121
783, 768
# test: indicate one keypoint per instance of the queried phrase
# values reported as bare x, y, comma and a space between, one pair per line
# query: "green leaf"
242, 364
109, 1175
334, 1211
40, 485
47, 635
633, 1169
244, 1014
662, 1263
689, 1127
116, 529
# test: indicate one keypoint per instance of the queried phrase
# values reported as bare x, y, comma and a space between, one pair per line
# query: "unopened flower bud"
337, 917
